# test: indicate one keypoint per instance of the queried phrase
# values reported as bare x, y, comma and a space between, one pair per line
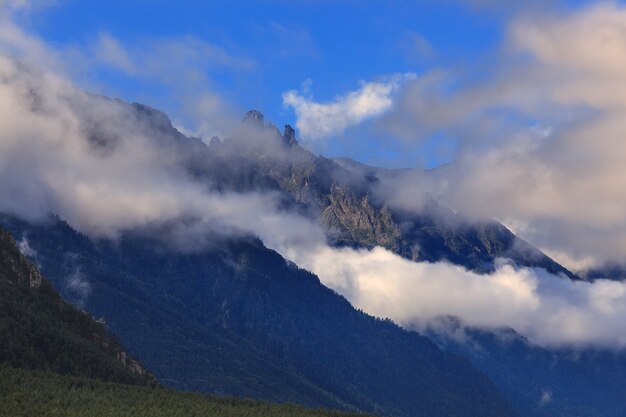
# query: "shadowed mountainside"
237, 319
41, 331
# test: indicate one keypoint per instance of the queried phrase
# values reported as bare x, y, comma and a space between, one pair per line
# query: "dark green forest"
25, 393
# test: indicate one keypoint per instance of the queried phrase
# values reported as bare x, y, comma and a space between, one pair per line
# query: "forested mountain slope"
235, 318
38, 330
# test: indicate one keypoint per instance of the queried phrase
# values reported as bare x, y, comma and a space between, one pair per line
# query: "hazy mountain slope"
546, 383
38, 330
248, 323
612, 271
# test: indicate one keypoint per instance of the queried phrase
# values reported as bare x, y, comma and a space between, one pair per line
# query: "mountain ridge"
341, 196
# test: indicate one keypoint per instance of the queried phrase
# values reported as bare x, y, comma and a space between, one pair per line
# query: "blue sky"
278, 45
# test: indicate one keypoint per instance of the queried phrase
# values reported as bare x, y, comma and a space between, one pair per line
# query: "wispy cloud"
183, 67
76, 283
25, 5
165, 57
317, 121
418, 46
179, 68
289, 40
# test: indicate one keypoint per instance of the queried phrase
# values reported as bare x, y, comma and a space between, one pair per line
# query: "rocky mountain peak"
254, 117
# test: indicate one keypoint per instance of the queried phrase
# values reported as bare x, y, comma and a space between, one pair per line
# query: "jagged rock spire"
290, 135
256, 119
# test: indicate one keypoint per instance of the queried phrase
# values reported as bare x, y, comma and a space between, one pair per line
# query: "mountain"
544, 382
341, 195
232, 317
41, 331
344, 197
235, 318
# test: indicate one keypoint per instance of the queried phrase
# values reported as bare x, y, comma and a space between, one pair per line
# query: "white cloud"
317, 121
549, 310
541, 134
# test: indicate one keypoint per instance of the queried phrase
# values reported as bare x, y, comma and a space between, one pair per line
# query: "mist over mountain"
235, 257
180, 217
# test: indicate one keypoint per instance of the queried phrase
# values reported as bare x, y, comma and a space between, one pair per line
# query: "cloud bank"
550, 311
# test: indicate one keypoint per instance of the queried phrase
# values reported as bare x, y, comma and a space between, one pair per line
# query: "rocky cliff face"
352, 220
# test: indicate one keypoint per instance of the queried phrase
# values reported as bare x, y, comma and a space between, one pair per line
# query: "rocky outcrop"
14, 267
353, 221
